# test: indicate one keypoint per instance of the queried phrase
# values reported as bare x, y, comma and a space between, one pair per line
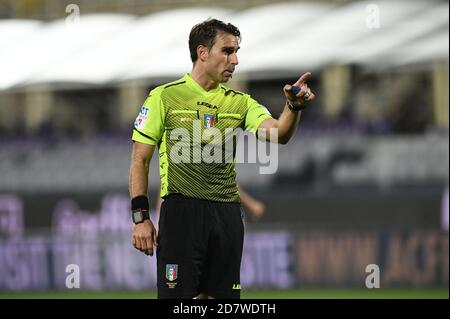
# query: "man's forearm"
287, 124
140, 164
138, 179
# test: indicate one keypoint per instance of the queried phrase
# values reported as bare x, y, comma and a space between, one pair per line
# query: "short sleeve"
150, 122
256, 113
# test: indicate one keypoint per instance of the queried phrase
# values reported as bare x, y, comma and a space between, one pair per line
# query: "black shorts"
199, 248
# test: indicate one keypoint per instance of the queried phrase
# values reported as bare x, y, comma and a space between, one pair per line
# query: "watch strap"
295, 108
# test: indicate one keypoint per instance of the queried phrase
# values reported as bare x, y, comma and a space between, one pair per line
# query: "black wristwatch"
139, 215
295, 108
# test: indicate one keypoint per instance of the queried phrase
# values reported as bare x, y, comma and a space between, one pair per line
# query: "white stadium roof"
278, 39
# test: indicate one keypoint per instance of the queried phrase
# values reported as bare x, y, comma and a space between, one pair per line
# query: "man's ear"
202, 53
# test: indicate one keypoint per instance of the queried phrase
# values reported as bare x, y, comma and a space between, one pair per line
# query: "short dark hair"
204, 34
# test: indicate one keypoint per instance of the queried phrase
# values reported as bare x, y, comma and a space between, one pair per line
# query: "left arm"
288, 122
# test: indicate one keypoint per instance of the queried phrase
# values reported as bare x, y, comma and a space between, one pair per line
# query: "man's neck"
203, 80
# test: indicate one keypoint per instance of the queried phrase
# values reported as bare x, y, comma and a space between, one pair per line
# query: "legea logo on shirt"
211, 106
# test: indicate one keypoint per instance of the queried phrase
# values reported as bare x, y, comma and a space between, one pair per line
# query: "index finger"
149, 242
155, 237
303, 79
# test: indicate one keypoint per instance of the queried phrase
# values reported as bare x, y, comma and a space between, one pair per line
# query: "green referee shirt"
195, 131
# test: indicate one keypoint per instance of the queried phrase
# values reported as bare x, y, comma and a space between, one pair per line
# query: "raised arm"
289, 119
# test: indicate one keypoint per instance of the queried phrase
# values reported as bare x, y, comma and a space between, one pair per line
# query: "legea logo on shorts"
171, 274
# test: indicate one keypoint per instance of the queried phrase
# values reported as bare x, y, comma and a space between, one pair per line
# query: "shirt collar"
194, 85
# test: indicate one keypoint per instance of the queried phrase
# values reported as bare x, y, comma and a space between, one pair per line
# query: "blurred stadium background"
365, 181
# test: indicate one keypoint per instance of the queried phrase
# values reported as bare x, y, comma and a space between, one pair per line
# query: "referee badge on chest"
208, 120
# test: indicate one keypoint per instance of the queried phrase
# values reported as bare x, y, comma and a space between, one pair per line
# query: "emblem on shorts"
171, 272
208, 120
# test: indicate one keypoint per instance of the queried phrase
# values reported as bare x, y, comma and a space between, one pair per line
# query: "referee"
200, 240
